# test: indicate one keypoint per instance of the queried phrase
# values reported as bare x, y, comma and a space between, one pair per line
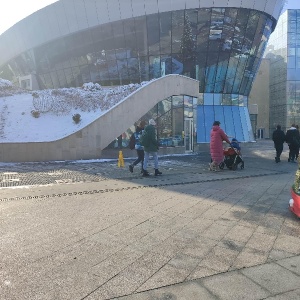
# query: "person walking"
150, 143
292, 138
278, 138
138, 147
217, 136
297, 153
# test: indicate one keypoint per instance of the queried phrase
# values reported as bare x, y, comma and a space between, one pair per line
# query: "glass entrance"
188, 134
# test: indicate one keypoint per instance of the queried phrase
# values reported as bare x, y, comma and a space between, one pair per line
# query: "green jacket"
152, 145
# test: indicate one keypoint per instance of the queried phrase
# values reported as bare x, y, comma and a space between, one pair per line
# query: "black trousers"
140, 158
294, 150
279, 149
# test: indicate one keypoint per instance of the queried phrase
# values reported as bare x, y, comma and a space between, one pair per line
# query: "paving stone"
293, 295
233, 286
292, 264
273, 277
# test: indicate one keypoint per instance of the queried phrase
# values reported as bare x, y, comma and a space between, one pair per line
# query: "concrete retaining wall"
89, 142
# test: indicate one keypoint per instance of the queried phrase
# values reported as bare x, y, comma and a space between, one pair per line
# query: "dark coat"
152, 144
278, 137
292, 137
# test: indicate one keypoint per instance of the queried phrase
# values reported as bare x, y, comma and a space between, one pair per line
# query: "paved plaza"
93, 230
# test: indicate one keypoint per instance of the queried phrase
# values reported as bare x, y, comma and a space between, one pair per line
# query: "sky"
293, 4
16, 10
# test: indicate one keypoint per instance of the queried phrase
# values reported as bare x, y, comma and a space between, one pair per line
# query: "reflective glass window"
144, 68
69, 77
119, 37
229, 125
141, 33
62, 78
188, 106
54, 79
153, 37
165, 21
201, 130
245, 128
177, 30
219, 115
209, 118
217, 99
48, 81
177, 117
203, 29
208, 99
155, 70
211, 71
133, 70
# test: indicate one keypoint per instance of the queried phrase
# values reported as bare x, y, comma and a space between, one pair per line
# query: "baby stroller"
232, 156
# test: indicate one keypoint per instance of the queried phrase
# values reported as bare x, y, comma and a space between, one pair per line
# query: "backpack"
144, 139
132, 142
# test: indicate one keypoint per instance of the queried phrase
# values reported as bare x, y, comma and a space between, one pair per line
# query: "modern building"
259, 101
283, 53
219, 43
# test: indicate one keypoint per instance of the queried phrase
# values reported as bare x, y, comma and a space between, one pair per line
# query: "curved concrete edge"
88, 142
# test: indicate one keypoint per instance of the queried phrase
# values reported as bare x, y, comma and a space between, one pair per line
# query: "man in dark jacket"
278, 138
292, 138
150, 144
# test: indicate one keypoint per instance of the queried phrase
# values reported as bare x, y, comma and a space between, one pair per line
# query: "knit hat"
152, 122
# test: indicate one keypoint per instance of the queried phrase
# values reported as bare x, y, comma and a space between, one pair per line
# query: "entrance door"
188, 134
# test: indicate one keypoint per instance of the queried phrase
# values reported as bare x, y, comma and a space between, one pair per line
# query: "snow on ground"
55, 110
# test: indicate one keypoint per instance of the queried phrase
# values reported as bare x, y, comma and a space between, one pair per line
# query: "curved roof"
65, 17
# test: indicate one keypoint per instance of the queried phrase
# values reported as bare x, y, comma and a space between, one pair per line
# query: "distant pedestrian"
150, 143
297, 152
217, 136
278, 138
292, 138
138, 147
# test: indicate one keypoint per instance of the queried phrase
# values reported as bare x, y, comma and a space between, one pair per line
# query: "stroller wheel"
234, 167
221, 165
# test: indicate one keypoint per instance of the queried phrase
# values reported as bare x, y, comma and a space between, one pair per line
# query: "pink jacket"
217, 136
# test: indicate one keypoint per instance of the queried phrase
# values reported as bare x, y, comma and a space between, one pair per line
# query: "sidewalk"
82, 230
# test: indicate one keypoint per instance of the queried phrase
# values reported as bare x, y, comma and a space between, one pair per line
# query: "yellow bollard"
121, 160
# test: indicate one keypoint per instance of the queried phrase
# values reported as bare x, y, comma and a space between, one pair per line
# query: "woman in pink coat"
217, 136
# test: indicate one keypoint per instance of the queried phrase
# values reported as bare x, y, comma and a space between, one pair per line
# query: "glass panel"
209, 118
141, 34
245, 128
200, 124
153, 34
177, 30
155, 71
188, 106
229, 125
237, 124
203, 29
208, 99
165, 30
219, 115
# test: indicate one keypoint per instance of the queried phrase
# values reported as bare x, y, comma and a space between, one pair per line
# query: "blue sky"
293, 4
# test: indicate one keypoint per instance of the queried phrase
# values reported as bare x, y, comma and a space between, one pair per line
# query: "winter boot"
145, 173
157, 172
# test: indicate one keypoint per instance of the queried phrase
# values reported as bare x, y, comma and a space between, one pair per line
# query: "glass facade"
284, 54
220, 47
